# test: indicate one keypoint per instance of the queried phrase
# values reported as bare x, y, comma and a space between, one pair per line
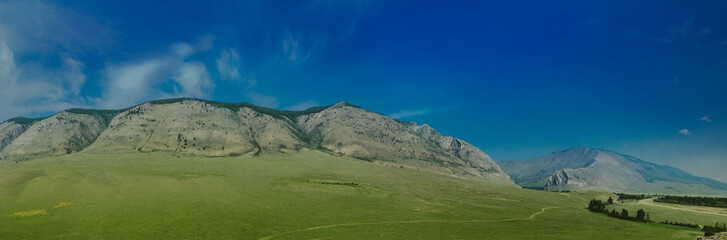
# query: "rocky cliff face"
562, 180
359, 133
473, 156
9, 130
596, 169
206, 128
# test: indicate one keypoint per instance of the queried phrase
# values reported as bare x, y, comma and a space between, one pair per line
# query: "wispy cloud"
135, 81
228, 64
638, 35
687, 31
28, 89
684, 28
349, 13
263, 100
706, 119
685, 132
194, 80
294, 51
29, 85
130, 83
74, 76
302, 106
406, 114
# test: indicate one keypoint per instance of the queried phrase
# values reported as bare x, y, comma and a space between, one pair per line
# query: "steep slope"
358, 133
596, 169
461, 149
207, 128
63, 133
12, 128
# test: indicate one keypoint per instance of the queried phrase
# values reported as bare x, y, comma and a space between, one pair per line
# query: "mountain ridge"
208, 128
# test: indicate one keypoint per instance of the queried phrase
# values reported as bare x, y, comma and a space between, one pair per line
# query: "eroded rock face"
59, 134
358, 133
461, 149
563, 180
9, 131
204, 128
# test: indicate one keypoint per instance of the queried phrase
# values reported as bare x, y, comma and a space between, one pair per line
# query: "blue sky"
516, 79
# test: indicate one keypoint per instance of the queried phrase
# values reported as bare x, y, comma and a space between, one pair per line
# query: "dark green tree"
624, 213
610, 200
640, 215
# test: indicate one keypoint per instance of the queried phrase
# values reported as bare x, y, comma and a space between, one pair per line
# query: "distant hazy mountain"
207, 128
587, 168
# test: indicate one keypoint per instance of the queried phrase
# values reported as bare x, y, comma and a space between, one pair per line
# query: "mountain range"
584, 168
215, 129
196, 127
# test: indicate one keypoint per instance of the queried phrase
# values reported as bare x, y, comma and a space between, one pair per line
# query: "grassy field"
674, 212
310, 195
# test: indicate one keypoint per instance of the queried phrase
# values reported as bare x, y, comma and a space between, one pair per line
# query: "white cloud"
706, 119
73, 74
205, 43
303, 106
7, 63
685, 132
405, 114
182, 50
130, 83
29, 89
228, 64
291, 48
263, 100
133, 82
194, 79
294, 51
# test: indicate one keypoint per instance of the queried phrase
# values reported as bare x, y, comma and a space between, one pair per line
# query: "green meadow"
308, 195
660, 212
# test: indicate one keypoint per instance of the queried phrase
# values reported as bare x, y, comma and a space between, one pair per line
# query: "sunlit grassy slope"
302, 196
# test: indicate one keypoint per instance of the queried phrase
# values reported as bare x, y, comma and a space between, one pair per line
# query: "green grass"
162, 196
665, 211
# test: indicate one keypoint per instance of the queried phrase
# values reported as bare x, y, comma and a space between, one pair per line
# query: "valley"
197, 169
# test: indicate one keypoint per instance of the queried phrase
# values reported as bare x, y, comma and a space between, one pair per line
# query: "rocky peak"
463, 150
340, 104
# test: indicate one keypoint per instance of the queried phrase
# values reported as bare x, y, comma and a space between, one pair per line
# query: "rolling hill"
596, 169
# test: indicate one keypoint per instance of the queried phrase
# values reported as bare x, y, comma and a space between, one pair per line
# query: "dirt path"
650, 201
542, 210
